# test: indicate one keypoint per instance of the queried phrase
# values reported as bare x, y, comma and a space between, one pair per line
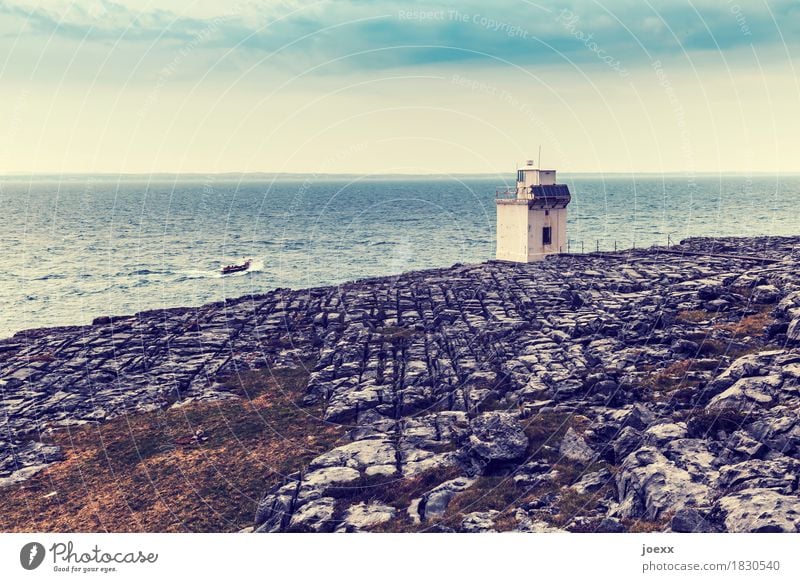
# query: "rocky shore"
650, 390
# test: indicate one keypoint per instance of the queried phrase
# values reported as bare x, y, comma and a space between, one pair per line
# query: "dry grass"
498, 493
145, 472
748, 326
694, 316
671, 377
667, 382
506, 521
701, 422
571, 504
644, 526
545, 431
400, 493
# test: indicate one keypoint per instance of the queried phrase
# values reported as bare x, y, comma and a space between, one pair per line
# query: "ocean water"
79, 247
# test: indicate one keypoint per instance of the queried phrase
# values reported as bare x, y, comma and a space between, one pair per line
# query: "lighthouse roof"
550, 196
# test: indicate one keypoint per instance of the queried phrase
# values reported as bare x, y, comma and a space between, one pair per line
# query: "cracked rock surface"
647, 390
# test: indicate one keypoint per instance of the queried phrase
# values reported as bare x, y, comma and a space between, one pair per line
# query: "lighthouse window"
520, 176
547, 235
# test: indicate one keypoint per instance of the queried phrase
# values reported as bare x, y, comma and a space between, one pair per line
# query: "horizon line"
311, 175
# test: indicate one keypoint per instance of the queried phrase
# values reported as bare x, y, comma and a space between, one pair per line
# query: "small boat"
236, 268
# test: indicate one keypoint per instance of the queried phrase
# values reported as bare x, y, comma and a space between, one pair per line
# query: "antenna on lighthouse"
540, 157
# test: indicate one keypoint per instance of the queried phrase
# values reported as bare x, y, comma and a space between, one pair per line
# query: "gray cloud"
417, 33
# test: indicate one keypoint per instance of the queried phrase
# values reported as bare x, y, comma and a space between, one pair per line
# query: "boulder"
788, 303
743, 445
695, 457
374, 456
765, 294
346, 403
709, 292
793, 331
660, 434
479, 521
362, 516
649, 484
329, 477
689, 520
760, 511
610, 525
592, 482
497, 437
15, 456
528, 525
746, 393
629, 440
435, 502
606, 388
639, 417
778, 430
574, 448
779, 474
274, 511
685, 347
316, 515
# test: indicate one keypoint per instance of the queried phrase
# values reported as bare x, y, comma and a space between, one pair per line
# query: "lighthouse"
532, 218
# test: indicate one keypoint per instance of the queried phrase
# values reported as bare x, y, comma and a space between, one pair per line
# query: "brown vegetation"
148, 472
695, 316
749, 325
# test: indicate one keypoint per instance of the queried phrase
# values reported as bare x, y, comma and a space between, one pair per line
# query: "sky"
358, 86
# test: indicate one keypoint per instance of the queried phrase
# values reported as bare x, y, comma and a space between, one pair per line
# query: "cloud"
378, 34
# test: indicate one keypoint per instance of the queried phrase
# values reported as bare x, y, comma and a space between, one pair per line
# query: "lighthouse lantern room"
532, 218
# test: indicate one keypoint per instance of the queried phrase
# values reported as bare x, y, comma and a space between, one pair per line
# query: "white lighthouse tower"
532, 218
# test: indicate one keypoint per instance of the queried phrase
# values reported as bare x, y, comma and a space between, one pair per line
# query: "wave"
149, 272
51, 276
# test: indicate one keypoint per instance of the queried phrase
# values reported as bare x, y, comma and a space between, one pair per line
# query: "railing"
605, 246
505, 193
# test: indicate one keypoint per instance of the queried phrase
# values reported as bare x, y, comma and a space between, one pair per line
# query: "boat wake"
256, 266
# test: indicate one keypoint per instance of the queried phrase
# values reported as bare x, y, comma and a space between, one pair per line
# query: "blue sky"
358, 86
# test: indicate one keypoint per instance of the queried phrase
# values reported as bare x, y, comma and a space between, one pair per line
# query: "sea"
78, 247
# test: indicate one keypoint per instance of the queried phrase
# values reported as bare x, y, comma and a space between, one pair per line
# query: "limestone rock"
574, 448
497, 436
689, 520
434, 503
760, 511
362, 516
479, 521
316, 515
649, 484
793, 331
